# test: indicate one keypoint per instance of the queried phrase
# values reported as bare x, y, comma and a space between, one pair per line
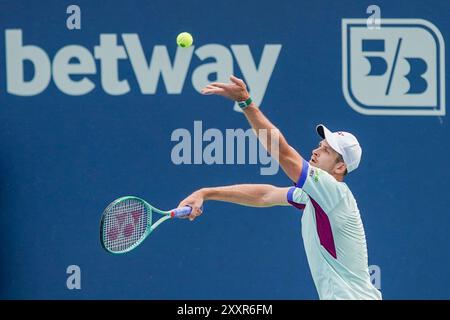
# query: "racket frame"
150, 226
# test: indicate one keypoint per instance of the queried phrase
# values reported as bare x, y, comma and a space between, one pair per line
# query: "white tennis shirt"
333, 235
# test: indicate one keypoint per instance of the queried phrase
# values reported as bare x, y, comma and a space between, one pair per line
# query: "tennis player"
332, 230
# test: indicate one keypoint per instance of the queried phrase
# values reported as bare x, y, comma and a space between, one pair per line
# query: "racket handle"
180, 212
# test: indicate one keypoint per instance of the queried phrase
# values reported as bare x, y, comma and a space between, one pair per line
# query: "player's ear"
340, 168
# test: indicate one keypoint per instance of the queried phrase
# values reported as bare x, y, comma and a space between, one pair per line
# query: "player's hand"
236, 90
195, 201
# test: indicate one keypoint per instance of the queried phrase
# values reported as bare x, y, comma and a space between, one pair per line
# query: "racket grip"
180, 212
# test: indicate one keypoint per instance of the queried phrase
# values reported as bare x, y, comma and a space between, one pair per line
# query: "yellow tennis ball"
184, 39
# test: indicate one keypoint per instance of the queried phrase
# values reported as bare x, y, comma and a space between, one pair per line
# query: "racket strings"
124, 225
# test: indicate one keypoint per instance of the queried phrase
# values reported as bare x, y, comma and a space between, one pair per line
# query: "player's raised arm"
269, 135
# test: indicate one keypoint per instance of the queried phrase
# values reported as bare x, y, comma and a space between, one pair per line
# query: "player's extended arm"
274, 142
253, 195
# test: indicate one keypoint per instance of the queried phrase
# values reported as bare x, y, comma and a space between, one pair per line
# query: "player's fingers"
234, 79
208, 87
219, 85
192, 216
237, 81
208, 91
211, 87
196, 211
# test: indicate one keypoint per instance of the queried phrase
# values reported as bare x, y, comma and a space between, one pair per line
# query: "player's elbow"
273, 197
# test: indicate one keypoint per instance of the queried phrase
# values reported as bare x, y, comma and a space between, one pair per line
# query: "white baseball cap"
343, 143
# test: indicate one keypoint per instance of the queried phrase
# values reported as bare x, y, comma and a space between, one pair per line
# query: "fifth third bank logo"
398, 69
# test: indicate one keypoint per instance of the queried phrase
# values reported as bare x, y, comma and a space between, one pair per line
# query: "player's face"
324, 157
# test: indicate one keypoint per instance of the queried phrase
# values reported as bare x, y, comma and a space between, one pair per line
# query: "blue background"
64, 158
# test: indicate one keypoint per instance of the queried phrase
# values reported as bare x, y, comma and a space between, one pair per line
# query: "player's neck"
338, 177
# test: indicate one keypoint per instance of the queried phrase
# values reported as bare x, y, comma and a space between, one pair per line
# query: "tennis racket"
127, 222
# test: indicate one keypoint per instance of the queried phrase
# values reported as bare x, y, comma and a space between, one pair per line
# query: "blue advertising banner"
97, 101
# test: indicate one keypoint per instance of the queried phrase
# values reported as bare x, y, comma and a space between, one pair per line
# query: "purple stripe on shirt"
324, 229
303, 175
297, 205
